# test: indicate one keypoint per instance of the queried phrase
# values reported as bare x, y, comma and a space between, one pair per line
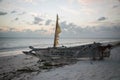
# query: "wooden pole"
55, 37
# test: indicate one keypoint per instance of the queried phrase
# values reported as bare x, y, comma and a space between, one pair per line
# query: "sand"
10, 64
12, 68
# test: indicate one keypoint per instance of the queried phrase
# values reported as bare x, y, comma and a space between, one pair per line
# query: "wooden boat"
95, 50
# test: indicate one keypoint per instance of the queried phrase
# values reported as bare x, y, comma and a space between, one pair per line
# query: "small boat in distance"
93, 51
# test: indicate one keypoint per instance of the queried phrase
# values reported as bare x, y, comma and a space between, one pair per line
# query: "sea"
8, 44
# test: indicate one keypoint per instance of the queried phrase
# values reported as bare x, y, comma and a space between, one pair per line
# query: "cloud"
16, 19
119, 0
13, 12
3, 13
18, 13
13, 32
22, 13
69, 10
72, 30
48, 22
70, 1
115, 6
68, 30
88, 11
87, 2
1, 30
28, 1
37, 20
102, 18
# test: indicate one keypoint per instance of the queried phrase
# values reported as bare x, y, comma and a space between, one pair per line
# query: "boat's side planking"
90, 50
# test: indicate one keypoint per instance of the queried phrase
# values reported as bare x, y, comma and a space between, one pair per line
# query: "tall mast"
57, 31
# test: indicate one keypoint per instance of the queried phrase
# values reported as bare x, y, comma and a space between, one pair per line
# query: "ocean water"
13, 44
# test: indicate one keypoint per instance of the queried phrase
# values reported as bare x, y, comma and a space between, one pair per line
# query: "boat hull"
92, 51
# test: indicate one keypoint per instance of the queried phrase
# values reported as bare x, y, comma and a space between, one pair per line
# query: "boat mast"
57, 31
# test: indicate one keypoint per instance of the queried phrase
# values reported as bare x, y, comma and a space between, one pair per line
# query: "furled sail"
57, 32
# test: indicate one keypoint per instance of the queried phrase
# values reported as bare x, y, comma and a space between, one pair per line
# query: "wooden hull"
86, 51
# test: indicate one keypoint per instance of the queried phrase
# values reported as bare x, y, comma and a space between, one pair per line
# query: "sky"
77, 18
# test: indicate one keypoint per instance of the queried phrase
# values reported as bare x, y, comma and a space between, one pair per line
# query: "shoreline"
6, 49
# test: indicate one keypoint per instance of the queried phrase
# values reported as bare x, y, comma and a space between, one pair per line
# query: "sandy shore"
10, 64
14, 68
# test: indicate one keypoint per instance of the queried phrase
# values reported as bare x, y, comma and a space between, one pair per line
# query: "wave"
20, 44
12, 48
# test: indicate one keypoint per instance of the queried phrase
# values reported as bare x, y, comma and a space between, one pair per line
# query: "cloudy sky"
77, 18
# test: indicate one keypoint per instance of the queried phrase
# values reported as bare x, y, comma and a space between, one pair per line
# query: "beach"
24, 67
59, 39
10, 64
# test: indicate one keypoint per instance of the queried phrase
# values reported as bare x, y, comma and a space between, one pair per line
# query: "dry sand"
12, 68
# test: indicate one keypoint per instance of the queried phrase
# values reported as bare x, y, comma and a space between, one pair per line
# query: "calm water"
10, 44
